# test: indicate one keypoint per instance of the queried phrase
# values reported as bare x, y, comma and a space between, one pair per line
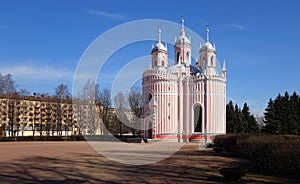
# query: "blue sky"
41, 42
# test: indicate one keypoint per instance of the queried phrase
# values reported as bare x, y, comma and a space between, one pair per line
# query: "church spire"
207, 34
159, 34
182, 26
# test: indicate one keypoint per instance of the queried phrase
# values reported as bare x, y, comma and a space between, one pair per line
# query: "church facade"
184, 102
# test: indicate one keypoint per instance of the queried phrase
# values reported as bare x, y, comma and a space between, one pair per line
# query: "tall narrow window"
188, 57
163, 63
198, 119
203, 61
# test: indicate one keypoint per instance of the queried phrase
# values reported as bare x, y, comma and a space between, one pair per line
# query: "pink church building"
184, 102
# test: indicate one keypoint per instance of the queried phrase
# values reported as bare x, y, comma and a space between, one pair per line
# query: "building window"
148, 98
203, 61
212, 60
163, 63
198, 119
155, 63
188, 56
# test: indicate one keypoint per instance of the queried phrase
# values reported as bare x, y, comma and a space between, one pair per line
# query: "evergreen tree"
282, 115
271, 125
229, 118
240, 121
249, 121
294, 114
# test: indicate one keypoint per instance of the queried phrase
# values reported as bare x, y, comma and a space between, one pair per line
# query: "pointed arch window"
177, 57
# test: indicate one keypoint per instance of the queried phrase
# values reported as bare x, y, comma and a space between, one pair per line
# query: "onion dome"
159, 45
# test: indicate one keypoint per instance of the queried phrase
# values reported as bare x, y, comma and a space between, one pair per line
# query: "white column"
188, 112
181, 109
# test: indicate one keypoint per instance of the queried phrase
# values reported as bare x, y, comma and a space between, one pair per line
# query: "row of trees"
116, 123
124, 118
132, 100
8, 87
282, 115
240, 120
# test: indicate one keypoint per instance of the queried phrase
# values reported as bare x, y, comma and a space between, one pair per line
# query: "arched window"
198, 119
163, 63
177, 57
148, 98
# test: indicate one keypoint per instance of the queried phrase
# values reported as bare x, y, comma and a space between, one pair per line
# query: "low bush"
277, 153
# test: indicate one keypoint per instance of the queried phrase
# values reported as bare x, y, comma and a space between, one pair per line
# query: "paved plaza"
77, 162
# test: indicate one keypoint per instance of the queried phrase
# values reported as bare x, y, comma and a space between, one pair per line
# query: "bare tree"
7, 84
61, 91
89, 94
105, 99
120, 104
135, 100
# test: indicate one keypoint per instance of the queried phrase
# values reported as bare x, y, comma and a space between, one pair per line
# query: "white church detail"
184, 102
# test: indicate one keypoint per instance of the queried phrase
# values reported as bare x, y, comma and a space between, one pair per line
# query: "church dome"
159, 46
207, 46
182, 39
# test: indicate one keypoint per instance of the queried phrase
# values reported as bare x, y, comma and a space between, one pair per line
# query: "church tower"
207, 60
159, 53
182, 47
184, 102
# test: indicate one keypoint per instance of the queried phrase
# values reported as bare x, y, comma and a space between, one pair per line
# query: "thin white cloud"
35, 72
107, 14
235, 26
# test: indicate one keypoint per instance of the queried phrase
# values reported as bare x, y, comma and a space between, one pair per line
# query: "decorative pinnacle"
224, 65
207, 34
159, 34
